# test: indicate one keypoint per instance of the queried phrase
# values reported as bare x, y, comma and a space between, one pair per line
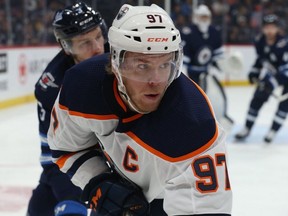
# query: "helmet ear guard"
65, 45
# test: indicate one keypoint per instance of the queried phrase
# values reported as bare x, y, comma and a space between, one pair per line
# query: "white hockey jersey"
176, 153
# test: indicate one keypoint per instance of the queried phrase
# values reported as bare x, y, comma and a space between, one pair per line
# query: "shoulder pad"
186, 30
281, 43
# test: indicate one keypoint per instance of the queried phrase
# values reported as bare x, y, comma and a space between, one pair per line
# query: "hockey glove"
69, 208
268, 83
282, 79
253, 76
109, 194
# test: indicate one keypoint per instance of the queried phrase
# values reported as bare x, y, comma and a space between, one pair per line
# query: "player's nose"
154, 77
97, 47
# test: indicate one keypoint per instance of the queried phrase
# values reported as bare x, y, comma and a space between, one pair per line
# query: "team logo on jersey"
186, 30
204, 55
47, 80
122, 12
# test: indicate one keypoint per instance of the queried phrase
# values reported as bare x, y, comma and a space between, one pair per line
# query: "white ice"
258, 172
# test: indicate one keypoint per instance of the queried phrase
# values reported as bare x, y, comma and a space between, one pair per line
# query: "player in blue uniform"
155, 126
202, 44
203, 48
269, 71
81, 32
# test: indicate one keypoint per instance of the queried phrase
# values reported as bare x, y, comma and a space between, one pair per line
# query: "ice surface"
258, 172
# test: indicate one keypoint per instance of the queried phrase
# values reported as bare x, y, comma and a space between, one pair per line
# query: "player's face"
87, 45
270, 30
146, 78
204, 19
203, 22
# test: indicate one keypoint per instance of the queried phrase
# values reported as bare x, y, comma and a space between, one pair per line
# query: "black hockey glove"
268, 83
253, 76
282, 79
110, 195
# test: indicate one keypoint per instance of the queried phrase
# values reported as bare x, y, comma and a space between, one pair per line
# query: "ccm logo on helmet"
157, 39
85, 21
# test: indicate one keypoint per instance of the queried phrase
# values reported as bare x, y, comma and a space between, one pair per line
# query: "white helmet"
144, 29
147, 30
202, 10
203, 25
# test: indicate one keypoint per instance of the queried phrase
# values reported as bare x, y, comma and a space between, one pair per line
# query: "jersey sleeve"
44, 119
46, 90
203, 188
74, 146
258, 61
283, 65
218, 52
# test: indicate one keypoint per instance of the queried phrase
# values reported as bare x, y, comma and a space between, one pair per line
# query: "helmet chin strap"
126, 97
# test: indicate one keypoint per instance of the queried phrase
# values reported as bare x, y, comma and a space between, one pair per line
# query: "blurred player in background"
81, 33
269, 71
155, 126
203, 48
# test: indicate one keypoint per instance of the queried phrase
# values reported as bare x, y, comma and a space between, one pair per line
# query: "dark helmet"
270, 19
77, 19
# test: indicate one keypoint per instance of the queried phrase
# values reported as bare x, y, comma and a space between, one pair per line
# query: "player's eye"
85, 44
99, 36
142, 66
165, 65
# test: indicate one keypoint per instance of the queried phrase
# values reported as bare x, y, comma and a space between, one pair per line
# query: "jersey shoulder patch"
186, 30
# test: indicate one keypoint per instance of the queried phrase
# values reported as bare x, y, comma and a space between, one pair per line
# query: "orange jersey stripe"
205, 96
172, 159
117, 96
88, 116
61, 161
132, 118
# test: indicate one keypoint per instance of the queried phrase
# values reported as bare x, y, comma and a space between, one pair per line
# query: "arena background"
27, 41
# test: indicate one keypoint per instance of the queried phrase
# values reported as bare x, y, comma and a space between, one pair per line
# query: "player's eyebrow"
146, 59
85, 37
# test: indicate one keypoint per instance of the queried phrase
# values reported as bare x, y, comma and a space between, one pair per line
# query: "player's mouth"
152, 96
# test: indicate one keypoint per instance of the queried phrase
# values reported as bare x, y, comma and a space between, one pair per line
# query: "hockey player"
155, 126
81, 32
269, 71
203, 48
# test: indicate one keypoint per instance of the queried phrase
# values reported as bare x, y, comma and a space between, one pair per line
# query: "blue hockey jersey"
176, 151
269, 53
201, 49
272, 59
46, 91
